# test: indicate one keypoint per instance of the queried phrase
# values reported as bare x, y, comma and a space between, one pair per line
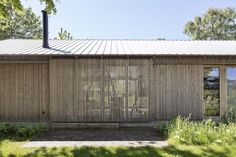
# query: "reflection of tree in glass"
231, 93
114, 90
91, 89
211, 91
92, 92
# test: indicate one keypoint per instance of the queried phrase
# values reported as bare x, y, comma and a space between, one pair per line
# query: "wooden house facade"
116, 81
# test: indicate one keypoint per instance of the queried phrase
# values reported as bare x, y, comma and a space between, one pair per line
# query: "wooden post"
102, 108
126, 90
152, 105
223, 91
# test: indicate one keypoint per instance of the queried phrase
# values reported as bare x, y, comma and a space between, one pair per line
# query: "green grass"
14, 149
186, 139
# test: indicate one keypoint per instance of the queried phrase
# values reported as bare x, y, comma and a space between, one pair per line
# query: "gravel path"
131, 137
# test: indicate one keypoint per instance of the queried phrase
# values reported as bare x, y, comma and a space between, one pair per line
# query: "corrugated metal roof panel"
117, 47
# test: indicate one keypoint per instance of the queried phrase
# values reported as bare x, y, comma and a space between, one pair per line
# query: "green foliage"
230, 117
231, 99
9, 5
201, 133
64, 35
21, 26
16, 6
211, 92
13, 131
50, 6
163, 129
215, 24
231, 114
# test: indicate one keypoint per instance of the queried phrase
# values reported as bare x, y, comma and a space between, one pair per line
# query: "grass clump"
20, 131
200, 133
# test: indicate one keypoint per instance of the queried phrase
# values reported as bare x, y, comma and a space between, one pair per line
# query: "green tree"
215, 24
64, 35
16, 6
211, 91
26, 25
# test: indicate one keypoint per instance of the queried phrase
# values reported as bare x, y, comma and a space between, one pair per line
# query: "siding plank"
178, 91
20, 92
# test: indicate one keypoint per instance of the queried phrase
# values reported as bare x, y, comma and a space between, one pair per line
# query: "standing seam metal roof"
117, 47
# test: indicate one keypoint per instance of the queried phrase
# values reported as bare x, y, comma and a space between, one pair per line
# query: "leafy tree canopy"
215, 24
26, 25
16, 6
64, 35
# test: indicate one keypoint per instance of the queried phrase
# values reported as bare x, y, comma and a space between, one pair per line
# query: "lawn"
14, 149
186, 139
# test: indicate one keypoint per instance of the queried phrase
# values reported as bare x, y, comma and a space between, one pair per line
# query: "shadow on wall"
122, 152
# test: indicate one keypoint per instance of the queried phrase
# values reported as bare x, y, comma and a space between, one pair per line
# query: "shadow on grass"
123, 152
212, 153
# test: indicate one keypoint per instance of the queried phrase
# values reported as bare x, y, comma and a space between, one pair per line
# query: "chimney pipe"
45, 29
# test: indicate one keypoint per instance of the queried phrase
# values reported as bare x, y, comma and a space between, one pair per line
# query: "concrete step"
99, 125
84, 125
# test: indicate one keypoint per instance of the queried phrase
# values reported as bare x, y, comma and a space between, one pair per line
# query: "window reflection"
114, 90
138, 104
211, 91
91, 90
231, 90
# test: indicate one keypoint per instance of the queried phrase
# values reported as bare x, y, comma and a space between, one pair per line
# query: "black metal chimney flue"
45, 29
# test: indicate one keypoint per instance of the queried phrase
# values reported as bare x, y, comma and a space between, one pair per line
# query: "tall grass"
200, 133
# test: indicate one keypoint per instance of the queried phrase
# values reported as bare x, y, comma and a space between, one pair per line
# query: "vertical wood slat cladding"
91, 89
178, 91
75, 90
104, 90
138, 90
24, 92
61, 90
99, 90
114, 90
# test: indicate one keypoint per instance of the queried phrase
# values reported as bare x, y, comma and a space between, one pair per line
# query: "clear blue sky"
126, 19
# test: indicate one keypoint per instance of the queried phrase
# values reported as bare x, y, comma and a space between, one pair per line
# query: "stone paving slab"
95, 143
131, 137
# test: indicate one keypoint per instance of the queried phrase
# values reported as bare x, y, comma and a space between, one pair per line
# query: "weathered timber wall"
24, 91
97, 90
178, 90
105, 89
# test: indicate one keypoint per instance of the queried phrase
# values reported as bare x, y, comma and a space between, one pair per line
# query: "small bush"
201, 133
163, 129
23, 131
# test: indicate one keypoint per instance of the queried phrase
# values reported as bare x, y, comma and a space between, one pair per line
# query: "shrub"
23, 131
200, 133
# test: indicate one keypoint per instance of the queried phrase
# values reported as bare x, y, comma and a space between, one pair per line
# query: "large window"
211, 91
231, 90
